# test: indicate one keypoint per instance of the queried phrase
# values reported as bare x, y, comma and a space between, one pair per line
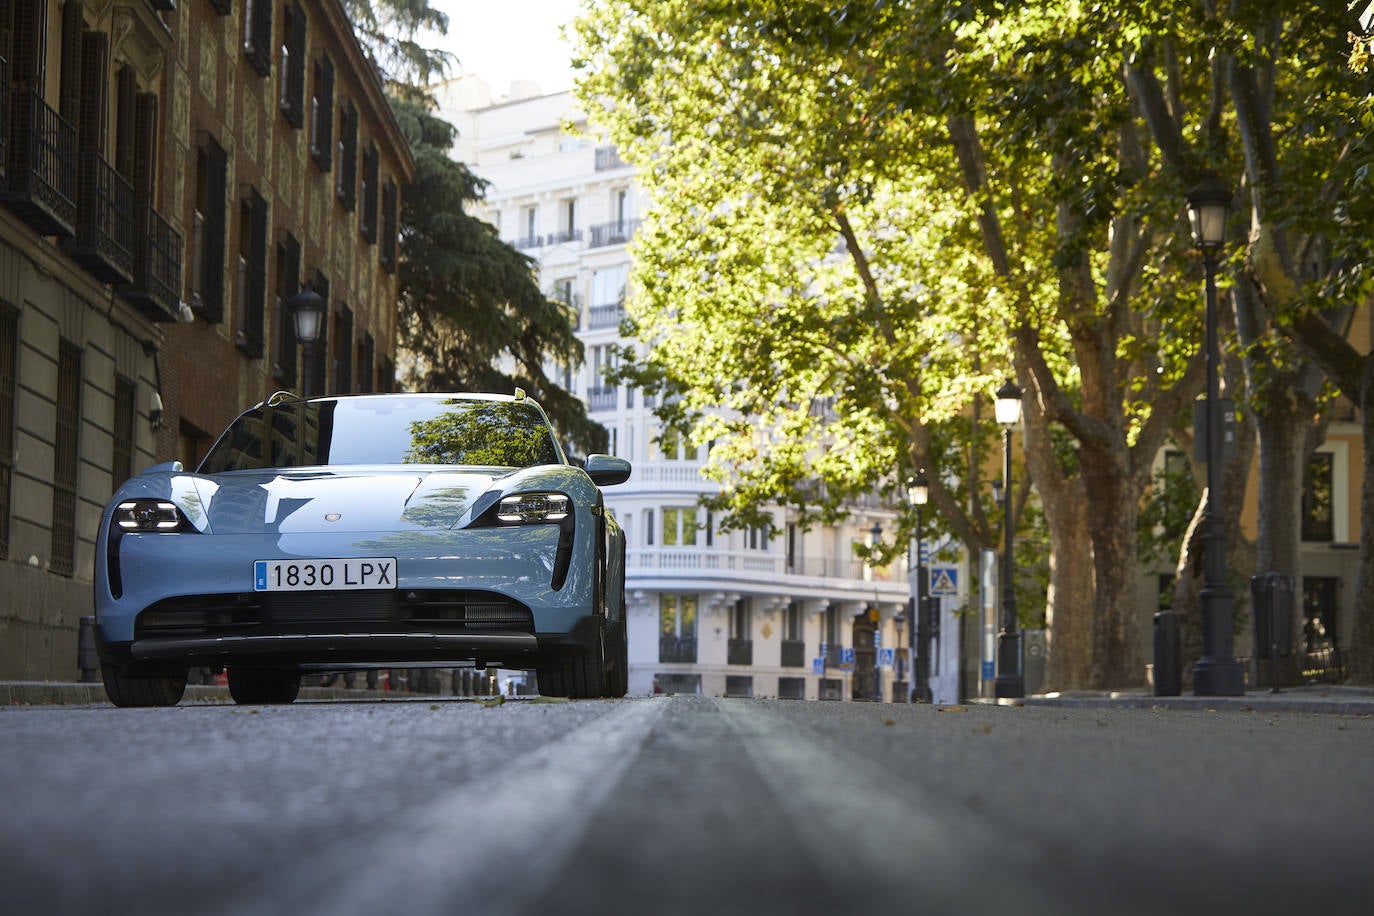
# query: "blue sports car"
364, 532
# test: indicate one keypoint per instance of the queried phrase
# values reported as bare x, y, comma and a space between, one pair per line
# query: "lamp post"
1010, 681
307, 311
918, 494
1217, 673
875, 537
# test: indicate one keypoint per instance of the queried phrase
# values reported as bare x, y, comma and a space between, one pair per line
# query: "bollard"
87, 659
1168, 656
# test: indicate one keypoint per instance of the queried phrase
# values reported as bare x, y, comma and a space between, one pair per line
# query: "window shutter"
69, 104
387, 256
322, 121
91, 101
214, 174
143, 173
126, 90
367, 219
291, 76
29, 43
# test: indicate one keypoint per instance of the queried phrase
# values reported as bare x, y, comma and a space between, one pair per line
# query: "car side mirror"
605, 470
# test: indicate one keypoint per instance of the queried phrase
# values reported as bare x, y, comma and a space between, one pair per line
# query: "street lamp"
1010, 682
918, 494
875, 537
1217, 673
307, 312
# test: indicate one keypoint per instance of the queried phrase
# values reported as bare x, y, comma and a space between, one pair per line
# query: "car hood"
290, 502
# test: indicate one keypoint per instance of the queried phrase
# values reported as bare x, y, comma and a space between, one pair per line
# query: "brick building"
170, 174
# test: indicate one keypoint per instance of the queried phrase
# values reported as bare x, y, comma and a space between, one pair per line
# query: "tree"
390, 33
996, 209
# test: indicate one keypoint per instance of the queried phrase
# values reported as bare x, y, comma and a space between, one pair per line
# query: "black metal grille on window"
343, 351
212, 174
291, 71
367, 218
387, 257
346, 178
257, 35
125, 411
66, 459
283, 326
9, 357
367, 354
253, 295
322, 114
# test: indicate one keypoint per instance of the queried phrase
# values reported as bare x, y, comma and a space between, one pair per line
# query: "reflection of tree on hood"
489, 435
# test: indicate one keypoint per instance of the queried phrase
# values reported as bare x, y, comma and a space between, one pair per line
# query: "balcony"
605, 316
601, 398
157, 267
607, 158
677, 649
617, 233
528, 241
739, 652
42, 173
793, 653
564, 235
104, 222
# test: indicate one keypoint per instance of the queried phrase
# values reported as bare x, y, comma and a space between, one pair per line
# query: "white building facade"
740, 613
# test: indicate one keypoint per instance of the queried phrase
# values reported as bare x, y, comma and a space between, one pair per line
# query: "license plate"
326, 575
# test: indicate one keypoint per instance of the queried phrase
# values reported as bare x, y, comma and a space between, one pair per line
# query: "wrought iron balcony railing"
677, 649
157, 267
616, 233
608, 157
739, 652
601, 398
42, 175
104, 221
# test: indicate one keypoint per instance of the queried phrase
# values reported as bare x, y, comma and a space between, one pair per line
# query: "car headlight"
149, 515
534, 508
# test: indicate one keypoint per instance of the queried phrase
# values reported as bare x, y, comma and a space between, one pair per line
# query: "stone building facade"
170, 174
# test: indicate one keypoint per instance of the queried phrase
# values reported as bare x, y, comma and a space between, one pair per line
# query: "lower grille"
437, 610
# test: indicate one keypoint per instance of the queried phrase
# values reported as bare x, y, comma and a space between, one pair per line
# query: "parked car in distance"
369, 531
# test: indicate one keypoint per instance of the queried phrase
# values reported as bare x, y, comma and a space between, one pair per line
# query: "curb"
1354, 704
51, 693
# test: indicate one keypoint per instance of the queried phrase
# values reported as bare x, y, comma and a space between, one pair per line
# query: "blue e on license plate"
332, 575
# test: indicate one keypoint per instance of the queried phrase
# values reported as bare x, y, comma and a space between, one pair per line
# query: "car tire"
618, 662
578, 676
126, 686
263, 686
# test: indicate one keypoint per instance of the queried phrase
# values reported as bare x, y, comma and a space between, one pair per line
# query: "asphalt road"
682, 805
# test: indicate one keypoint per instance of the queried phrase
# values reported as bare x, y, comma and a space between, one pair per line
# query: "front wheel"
129, 685
579, 676
258, 686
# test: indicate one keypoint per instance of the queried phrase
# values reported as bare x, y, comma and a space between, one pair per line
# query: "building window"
346, 178
791, 688
649, 527
9, 363
760, 538
66, 459
343, 351
367, 219
208, 240
322, 113
740, 649
283, 325
677, 683
739, 685
318, 382
677, 616
387, 256
679, 527
291, 73
673, 447
386, 376
252, 292
257, 35
367, 348
125, 411
1318, 519
793, 640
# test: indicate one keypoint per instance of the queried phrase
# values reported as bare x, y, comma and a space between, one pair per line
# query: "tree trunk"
1071, 597
1361, 662
1117, 623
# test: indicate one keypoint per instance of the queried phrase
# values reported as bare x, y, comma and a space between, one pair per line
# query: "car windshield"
385, 430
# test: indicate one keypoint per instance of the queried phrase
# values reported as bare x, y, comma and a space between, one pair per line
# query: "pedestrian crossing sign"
944, 581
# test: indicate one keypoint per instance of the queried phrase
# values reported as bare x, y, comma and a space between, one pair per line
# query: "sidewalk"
1316, 700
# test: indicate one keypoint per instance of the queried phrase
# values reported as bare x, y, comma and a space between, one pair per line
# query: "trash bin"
1168, 663
1271, 608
